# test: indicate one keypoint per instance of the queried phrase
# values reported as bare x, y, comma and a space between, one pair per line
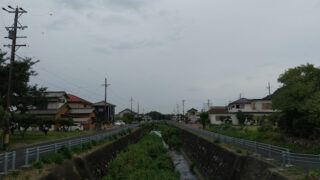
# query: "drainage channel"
180, 162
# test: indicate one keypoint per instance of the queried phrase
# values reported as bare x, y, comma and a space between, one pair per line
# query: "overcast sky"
160, 52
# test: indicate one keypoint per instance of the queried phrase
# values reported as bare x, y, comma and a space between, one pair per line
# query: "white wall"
213, 120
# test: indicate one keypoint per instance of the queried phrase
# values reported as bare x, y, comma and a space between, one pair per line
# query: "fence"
287, 158
8, 160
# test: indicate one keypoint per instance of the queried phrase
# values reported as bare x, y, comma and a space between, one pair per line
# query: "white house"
258, 108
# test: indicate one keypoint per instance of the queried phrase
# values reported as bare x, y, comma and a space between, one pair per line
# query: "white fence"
306, 161
8, 160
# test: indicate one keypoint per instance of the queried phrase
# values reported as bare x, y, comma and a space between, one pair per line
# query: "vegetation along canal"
151, 159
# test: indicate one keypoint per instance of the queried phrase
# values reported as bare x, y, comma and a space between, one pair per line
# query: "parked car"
119, 123
76, 127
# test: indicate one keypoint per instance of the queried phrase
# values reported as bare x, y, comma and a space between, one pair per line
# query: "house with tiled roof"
81, 111
258, 108
104, 111
193, 115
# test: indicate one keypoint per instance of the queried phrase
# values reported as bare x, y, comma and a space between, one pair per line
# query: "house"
104, 111
217, 112
258, 108
125, 111
55, 106
81, 111
193, 115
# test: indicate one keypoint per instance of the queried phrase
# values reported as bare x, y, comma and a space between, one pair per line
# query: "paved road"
20, 152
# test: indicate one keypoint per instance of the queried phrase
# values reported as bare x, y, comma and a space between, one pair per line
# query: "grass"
148, 159
169, 135
34, 137
269, 137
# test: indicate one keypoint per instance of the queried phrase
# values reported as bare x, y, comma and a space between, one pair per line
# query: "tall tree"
299, 101
24, 94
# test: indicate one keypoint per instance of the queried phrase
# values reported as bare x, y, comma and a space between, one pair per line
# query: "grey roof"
127, 109
242, 101
54, 94
192, 109
81, 111
102, 103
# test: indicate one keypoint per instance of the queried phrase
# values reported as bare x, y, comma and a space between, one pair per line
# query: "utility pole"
12, 34
138, 108
105, 98
269, 88
208, 104
183, 109
131, 100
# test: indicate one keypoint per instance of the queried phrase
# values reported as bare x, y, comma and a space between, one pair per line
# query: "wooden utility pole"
131, 100
105, 99
12, 34
183, 109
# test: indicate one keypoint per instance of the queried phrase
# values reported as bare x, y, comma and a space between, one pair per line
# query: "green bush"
265, 127
37, 164
76, 150
192, 166
94, 143
66, 152
238, 150
86, 146
58, 158
216, 140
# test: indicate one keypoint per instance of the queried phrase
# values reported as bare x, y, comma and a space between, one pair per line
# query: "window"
253, 105
266, 106
238, 106
217, 118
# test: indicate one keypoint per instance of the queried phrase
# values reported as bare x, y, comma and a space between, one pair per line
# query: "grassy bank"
148, 159
267, 135
35, 137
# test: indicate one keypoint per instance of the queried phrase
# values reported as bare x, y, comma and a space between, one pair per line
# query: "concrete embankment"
93, 165
216, 162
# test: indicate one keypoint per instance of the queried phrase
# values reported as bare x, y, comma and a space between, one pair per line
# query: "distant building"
193, 115
125, 111
104, 111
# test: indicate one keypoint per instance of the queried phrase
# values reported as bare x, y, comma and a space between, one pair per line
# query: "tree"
226, 119
24, 121
65, 123
299, 101
128, 118
155, 115
4, 115
204, 119
241, 117
24, 94
45, 123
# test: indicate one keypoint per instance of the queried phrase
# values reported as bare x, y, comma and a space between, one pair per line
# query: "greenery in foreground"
32, 137
148, 159
169, 135
264, 134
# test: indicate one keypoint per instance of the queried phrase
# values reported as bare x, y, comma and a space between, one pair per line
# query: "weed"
37, 164
76, 149
27, 176
66, 153
216, 140
238, 150
191, 167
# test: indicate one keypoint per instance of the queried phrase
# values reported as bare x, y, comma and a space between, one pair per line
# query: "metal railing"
287, 158
9, 162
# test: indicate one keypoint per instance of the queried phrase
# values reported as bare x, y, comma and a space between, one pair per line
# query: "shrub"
47, 159
191, 167
37, 164
174, 143
216, 140
265, 127
76, 150
86, 146
66, 153
58, 158
238, 150
94, 143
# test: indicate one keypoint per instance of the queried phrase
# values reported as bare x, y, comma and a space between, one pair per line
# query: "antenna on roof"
240, 96
269, 88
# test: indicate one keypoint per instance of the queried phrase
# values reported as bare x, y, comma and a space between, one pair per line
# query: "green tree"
4, 115
155, 115
45, 123
241, 117
204, 119
25, 95
65, 123
24, 121
299, 101
128, 118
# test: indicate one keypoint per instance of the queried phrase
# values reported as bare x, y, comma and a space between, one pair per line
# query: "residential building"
258, 108
81, 111
104, 111
193, 115
125, 111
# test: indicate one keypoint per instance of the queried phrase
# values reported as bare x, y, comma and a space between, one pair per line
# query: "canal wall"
93, 165
216, 162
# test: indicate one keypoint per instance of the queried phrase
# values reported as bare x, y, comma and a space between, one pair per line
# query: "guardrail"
9, 162
287, 158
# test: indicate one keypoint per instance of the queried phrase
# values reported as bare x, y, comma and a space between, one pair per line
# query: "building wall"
214, 118
79, 105
261, 106
246, 108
